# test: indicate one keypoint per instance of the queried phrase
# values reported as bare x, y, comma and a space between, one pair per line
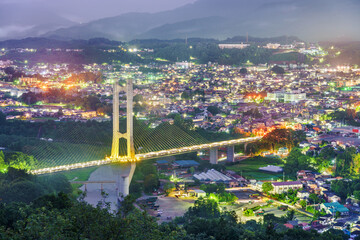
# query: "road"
251, 191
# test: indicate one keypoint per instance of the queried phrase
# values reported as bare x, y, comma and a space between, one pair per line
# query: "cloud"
13, 30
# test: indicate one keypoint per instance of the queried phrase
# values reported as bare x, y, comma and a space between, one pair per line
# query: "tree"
203, 208
337, 214
278, 70
249, 212
303, 204
127, 205
243, 71
138, 98
2, 118
314, 198
357, 194
168, 187
267, 187
150, 183
3, 165
186, 95
213, 110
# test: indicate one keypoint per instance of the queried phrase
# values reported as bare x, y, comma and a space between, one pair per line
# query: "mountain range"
312, 20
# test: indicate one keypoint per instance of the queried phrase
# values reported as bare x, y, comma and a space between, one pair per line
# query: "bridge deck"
144, 156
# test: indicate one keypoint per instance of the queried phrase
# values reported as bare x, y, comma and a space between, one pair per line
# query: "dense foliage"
276, 139
217, 192
17, 186
56, 216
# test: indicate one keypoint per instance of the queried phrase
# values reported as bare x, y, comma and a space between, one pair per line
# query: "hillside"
310, 20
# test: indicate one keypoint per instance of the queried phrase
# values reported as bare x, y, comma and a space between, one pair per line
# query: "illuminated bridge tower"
123, 171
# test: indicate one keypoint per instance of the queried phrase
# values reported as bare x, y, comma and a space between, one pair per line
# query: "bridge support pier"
214, 155
124, 173
245, 148
230, 154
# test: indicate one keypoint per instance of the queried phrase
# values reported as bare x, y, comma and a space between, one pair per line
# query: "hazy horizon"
307, 19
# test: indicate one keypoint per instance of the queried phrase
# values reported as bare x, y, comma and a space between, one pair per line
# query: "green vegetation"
345, 189
16, 160
145, 178
56, 216
275, 140
249, 168
287, 197
267, 187
296, 161
217, 192
278, 70
18, 186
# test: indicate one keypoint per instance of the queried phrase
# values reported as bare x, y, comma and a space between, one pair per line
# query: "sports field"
249, 168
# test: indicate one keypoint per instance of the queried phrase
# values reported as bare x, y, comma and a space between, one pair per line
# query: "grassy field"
82, 174
250, 168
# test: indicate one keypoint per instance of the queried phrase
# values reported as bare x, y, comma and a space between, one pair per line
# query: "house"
339, 225
326, 219
305, 174
355, 234
162, 164
331, 197
303, 194
333, 207
197, 193
280, 187
186, 163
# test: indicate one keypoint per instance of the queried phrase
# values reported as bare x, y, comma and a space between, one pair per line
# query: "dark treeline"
18, 186
56, 216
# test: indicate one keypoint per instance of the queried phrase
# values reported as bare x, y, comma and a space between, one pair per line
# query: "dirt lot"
170, 207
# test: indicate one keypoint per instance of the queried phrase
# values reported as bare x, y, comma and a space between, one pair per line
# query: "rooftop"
212, 175
187, 163
287, 183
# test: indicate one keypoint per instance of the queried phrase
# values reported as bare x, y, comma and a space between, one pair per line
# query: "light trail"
144, 156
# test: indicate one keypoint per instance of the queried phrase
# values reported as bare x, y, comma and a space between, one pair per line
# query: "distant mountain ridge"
41, 42
219, 19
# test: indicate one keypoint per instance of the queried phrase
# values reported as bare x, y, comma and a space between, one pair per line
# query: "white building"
286, 97
280, 187
272, 45
183, 64
234, 45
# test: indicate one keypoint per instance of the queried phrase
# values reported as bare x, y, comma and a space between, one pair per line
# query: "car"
158, 215
284, 208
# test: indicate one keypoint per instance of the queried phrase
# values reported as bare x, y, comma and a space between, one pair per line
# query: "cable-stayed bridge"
137, 144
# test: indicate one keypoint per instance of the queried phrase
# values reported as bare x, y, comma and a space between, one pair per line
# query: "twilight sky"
311, 19
86, 10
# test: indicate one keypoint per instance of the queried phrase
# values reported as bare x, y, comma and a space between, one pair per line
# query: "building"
197, 193
331, 197
163, 164
280, 187
271, 168
303, 194
286, 96
333, 207
234, 45
272, 45
28, 80
305, 175
183, 64
212, 176
186, 163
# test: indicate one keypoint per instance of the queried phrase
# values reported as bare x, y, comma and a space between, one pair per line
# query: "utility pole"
283, 176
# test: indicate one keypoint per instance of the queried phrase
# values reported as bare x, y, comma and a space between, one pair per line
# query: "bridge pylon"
123, 171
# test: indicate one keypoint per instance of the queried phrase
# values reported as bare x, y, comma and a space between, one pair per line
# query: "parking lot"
170, 207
